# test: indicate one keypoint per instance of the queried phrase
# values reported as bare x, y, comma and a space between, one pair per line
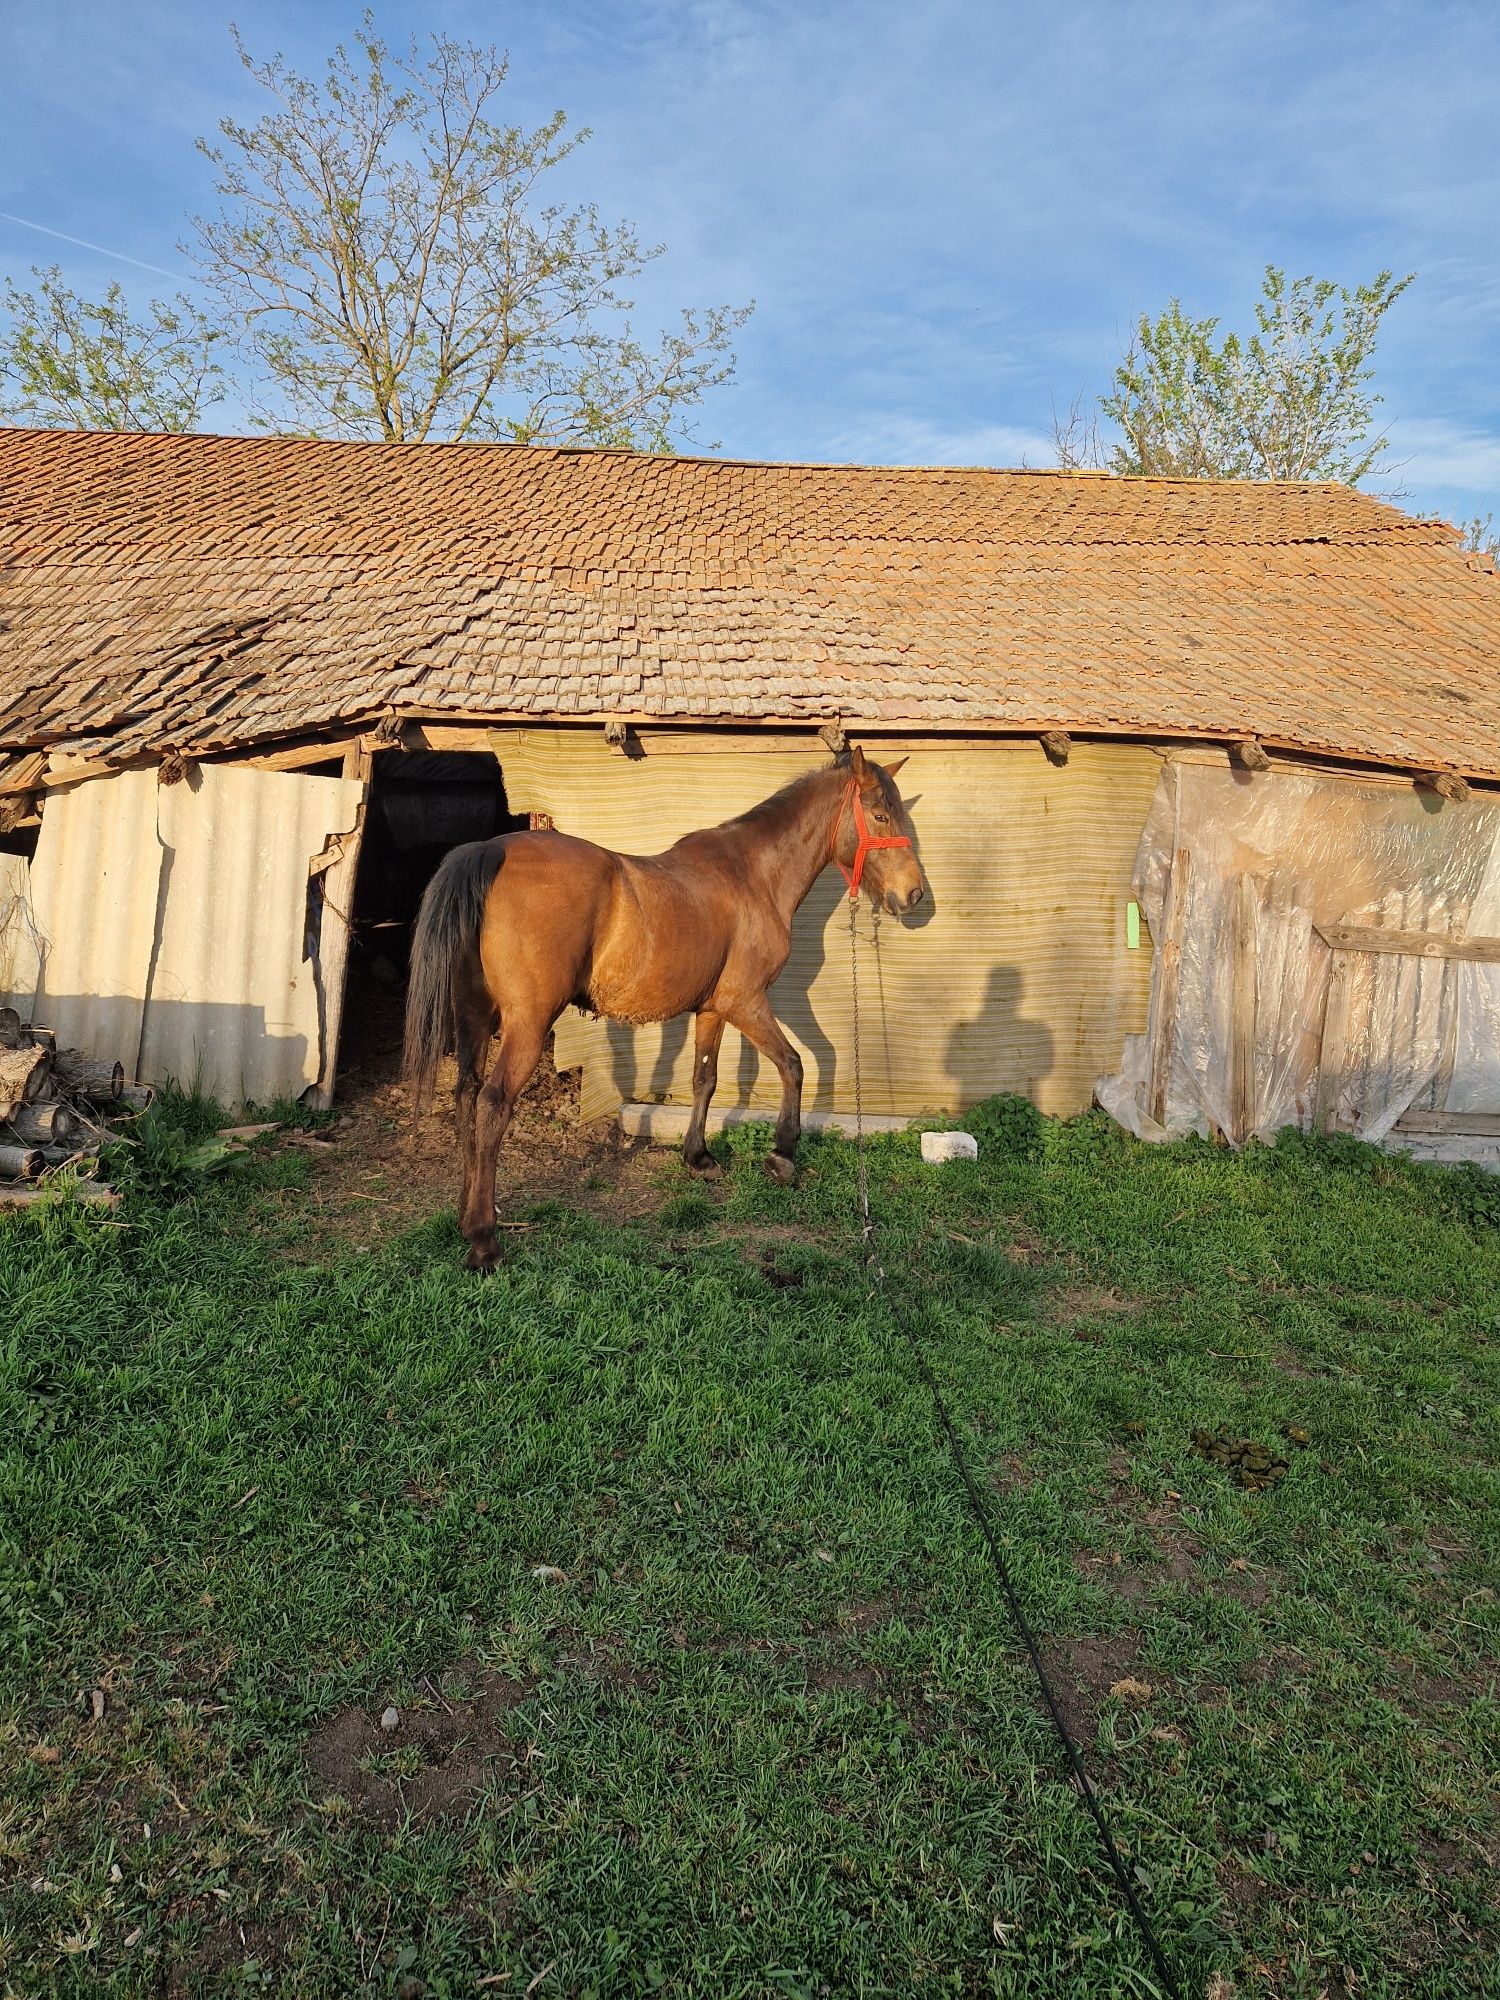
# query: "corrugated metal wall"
20, 965
1016, 976
181, 941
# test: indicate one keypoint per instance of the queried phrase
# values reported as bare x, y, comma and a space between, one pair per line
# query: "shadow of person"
999, 1050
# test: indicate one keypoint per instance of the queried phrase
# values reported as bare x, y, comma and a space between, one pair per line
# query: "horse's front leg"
708, 1032
760, 1027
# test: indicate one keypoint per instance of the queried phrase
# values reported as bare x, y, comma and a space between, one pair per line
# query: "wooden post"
1335, 1039
333, 954
1242, 1012
1163, 1029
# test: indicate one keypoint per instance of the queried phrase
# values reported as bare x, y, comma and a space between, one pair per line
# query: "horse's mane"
773, 807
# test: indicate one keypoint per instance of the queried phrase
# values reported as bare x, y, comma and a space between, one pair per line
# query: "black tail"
448, 926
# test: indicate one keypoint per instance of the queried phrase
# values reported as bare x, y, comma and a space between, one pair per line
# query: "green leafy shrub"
1006, 1124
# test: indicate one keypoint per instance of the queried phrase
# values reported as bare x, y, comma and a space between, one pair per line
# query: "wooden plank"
1335, 1040
1163, 1028
359, 760
1472, 1124
1409, 944
302, 756
1242, 1010
335, 937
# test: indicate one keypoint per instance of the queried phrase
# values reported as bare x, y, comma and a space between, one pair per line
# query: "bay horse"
513, 930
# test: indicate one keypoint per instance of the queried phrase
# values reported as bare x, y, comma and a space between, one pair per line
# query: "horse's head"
872, 840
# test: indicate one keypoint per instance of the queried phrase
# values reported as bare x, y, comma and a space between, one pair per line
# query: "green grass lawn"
759, 1726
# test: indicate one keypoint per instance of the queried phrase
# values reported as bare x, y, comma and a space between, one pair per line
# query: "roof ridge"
284, 440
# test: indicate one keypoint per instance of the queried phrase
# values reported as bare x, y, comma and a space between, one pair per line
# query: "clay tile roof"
209, 592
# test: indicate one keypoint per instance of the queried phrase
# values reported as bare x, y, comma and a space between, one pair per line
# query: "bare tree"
71, 361
1289, 401
399, 273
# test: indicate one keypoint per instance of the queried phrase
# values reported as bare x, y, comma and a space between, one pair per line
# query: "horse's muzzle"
899, 905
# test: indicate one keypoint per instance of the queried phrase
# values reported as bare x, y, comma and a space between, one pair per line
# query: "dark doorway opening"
421, 805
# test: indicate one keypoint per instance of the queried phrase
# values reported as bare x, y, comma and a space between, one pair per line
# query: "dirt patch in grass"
1083, 1671
1242, 1888
1075, 1303
380, 1173
846, 1677
431, 1767
227, 1947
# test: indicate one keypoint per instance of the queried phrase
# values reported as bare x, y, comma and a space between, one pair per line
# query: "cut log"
23, 1077
49, 1123
1447, 785
21, 1163
100, 1082
65, 1155
89, 1191
10, 1028
137, 1097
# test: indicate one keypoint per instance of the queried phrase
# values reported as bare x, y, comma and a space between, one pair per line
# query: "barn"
1206, 777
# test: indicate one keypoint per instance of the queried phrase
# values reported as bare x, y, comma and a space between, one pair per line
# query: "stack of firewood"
55, 1105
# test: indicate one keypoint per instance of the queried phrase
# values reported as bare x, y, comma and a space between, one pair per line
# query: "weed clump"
1008, 1125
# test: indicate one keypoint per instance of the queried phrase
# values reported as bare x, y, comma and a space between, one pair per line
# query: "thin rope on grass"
979, 1507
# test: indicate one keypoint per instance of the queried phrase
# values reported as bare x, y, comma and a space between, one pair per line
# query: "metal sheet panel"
182, 937
1016, 977
235, 997
94, 884
20, 956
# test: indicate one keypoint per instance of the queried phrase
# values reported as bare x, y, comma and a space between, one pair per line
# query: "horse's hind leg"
708, 1032
521, 1044
475, 1018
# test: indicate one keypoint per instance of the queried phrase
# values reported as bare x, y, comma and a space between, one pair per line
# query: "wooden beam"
1168, 972
1468, 1124
1447, 784
1409, 944
359, 761
299, 756
1242, 1009
1335, 1041
1249, 755
1057, 745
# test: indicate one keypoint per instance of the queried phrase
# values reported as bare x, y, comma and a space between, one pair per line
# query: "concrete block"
940, 1147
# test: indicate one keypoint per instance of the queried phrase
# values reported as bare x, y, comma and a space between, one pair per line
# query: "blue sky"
947, 213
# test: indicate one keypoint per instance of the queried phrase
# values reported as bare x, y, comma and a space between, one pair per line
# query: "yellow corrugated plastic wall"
1016, 975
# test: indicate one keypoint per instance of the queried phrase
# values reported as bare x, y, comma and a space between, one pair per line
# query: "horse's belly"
651, 973
638, 994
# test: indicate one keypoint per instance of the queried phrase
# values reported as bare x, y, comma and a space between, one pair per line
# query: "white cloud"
1430, 451
890, 438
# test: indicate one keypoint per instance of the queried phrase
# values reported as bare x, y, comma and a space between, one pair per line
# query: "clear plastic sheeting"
1305, 972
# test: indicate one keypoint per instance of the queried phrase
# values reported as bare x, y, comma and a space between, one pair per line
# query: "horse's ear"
857, 763
892, 769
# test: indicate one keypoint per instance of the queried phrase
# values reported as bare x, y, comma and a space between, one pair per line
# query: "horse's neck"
792, 836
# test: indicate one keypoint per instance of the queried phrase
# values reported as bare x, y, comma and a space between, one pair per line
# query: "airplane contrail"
83, 244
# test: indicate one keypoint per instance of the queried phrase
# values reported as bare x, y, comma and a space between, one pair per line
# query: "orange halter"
867, 840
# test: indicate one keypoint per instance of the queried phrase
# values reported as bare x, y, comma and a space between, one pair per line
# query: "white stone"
391, 1720
938, 1147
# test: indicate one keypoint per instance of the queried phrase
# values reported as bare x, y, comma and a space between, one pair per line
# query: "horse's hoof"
781, 1169
706, 1168
483, 1256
